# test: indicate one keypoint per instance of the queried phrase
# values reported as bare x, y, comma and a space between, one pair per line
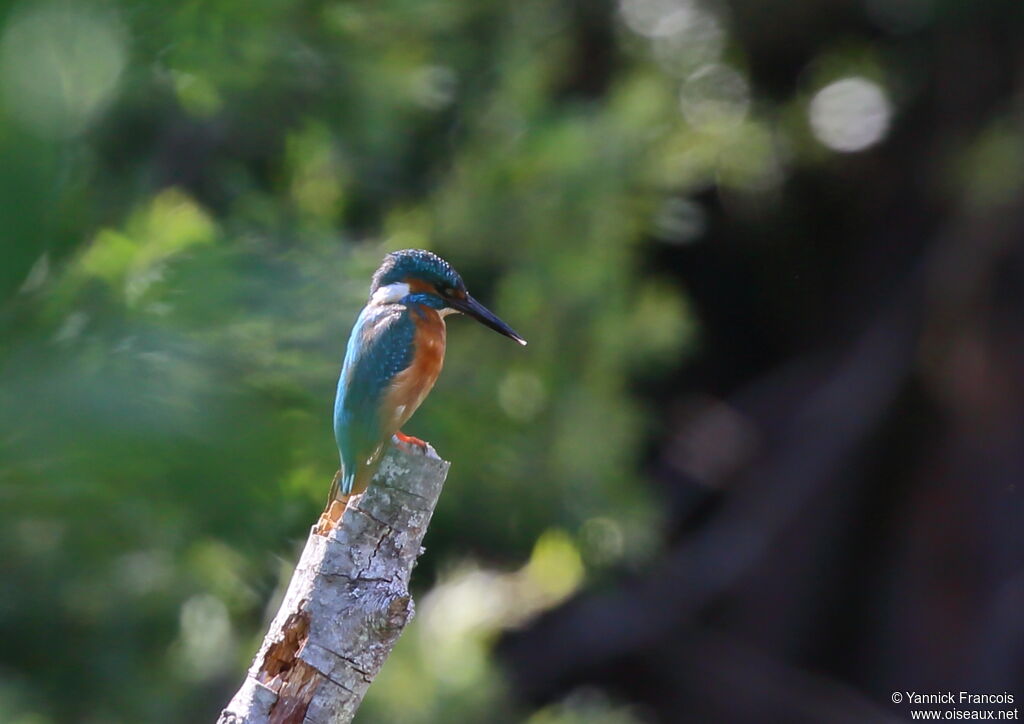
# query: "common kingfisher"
394, 355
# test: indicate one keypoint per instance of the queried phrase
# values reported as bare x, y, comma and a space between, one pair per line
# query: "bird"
394, 355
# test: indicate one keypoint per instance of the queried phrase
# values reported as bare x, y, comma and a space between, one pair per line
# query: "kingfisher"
393, 358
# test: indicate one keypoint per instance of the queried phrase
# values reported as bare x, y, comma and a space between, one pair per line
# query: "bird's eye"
447, 291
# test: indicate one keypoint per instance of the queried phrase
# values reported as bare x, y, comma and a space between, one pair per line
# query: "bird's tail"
345, 484
335, 487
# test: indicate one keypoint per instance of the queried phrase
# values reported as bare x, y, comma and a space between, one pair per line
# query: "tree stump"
347, 602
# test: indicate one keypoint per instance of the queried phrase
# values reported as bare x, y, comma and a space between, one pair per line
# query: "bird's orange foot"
410, 440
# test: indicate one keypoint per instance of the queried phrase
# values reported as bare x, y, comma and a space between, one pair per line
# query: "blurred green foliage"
192, 200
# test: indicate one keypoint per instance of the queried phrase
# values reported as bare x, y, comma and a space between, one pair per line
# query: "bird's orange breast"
411, 386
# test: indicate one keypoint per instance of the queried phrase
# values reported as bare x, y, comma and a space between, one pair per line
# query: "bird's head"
429, 279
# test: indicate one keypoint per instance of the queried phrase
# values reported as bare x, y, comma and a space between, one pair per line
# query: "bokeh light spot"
680, 221
434, 87
522, 395
59, 66
716, 97
205, 646
850, 115
555, 566
655, 18
603, 541
697, 41
197, 95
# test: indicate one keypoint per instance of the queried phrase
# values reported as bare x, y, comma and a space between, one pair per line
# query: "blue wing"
381, 346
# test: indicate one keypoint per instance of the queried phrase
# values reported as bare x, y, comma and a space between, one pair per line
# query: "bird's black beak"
483, 315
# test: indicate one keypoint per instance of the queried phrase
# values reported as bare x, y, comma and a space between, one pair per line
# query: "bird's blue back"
381, 346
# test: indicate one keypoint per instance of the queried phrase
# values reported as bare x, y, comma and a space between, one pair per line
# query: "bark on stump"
347, 602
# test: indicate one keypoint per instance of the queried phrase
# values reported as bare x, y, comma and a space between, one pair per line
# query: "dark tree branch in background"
821, 432
347, 602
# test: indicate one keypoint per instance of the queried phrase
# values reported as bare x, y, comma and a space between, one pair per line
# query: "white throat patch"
396, 292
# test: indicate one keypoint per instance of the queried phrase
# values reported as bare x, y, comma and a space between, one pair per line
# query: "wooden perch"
347, 602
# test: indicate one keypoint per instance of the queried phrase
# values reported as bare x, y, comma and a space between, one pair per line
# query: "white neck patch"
396, 292
390, 293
